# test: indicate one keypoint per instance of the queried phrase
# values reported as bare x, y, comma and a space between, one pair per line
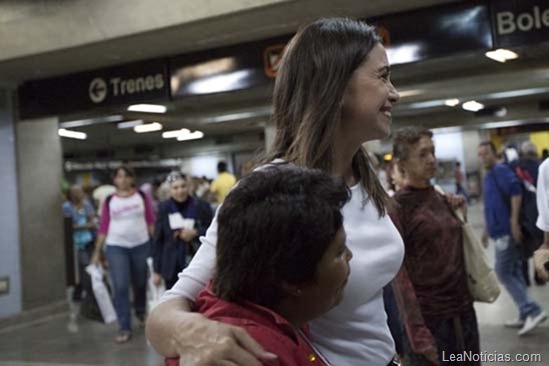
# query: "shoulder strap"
108, 201
142, 194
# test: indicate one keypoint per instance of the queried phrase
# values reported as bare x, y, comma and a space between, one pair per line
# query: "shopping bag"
154, 293
481, 279
101, 293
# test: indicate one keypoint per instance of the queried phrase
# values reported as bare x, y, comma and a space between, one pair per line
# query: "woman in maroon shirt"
433, 258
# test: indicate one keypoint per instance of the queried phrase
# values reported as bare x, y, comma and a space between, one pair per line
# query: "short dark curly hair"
274, 228
406, 137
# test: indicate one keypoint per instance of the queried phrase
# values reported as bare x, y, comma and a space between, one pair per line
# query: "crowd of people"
120, 225
309, 259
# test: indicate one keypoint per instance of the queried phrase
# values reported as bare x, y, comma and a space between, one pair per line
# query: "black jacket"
169, 253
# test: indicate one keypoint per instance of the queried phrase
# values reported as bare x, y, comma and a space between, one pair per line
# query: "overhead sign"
227, 69
517, 23
117, 86
435, 32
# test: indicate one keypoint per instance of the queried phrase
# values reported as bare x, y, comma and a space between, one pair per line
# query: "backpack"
528, 216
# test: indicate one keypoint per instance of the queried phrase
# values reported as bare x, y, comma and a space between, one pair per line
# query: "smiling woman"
332, 93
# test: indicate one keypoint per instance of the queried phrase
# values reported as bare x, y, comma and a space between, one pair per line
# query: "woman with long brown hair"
332, 93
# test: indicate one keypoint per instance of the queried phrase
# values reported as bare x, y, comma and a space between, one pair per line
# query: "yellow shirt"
222, 185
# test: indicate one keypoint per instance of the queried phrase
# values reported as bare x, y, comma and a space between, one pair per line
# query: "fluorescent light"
220, 83
409, 93
129, 124
517, 93
422, 105
175, 133
72, 134
149, 127
512, 123
404, 54
472, 106
148, 108
451, 102
258, 112
191, 136
91, 121
183, 134
501, 55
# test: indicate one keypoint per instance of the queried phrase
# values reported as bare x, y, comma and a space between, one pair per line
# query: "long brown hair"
316, 68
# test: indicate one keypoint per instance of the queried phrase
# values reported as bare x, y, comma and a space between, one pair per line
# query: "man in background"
221, 185
502, 194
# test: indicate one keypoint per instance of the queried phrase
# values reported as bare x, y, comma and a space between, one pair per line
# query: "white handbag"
481, 279
101, 293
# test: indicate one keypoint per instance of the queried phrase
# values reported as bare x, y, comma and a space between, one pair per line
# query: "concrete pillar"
10, 270
470, 140
39, 166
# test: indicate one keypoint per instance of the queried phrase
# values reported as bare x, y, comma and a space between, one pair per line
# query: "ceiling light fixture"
175, 133
129, 124
409, 93
451, 102
72, 134
148, 108
149, 127
191, 136
512, 123
91, 121
501, 55
472, 106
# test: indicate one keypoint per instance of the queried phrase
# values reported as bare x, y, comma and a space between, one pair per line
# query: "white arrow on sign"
97, 90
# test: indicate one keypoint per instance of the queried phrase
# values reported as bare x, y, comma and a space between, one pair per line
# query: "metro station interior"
210, 66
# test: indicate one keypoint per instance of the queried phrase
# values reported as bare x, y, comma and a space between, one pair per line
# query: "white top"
542, 197
125, 222
356, 331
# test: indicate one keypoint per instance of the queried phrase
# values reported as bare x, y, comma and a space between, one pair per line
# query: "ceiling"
466, 77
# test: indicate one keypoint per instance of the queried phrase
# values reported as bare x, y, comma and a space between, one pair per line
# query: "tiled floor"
50, 342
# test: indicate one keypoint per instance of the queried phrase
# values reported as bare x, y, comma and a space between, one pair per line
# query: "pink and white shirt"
125, 220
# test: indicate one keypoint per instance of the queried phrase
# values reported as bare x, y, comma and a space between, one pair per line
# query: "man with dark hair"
502, 201
281, 259
221, 185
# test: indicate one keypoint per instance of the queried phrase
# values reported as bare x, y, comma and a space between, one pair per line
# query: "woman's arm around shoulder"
174, 330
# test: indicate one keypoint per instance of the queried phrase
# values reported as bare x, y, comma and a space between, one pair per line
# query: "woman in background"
127, 222
180, 221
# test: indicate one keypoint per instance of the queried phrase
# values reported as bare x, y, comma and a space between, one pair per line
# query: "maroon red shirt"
433, 251
273, 332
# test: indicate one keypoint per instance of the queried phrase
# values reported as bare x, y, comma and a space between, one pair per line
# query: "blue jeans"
128, 265
509, 271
